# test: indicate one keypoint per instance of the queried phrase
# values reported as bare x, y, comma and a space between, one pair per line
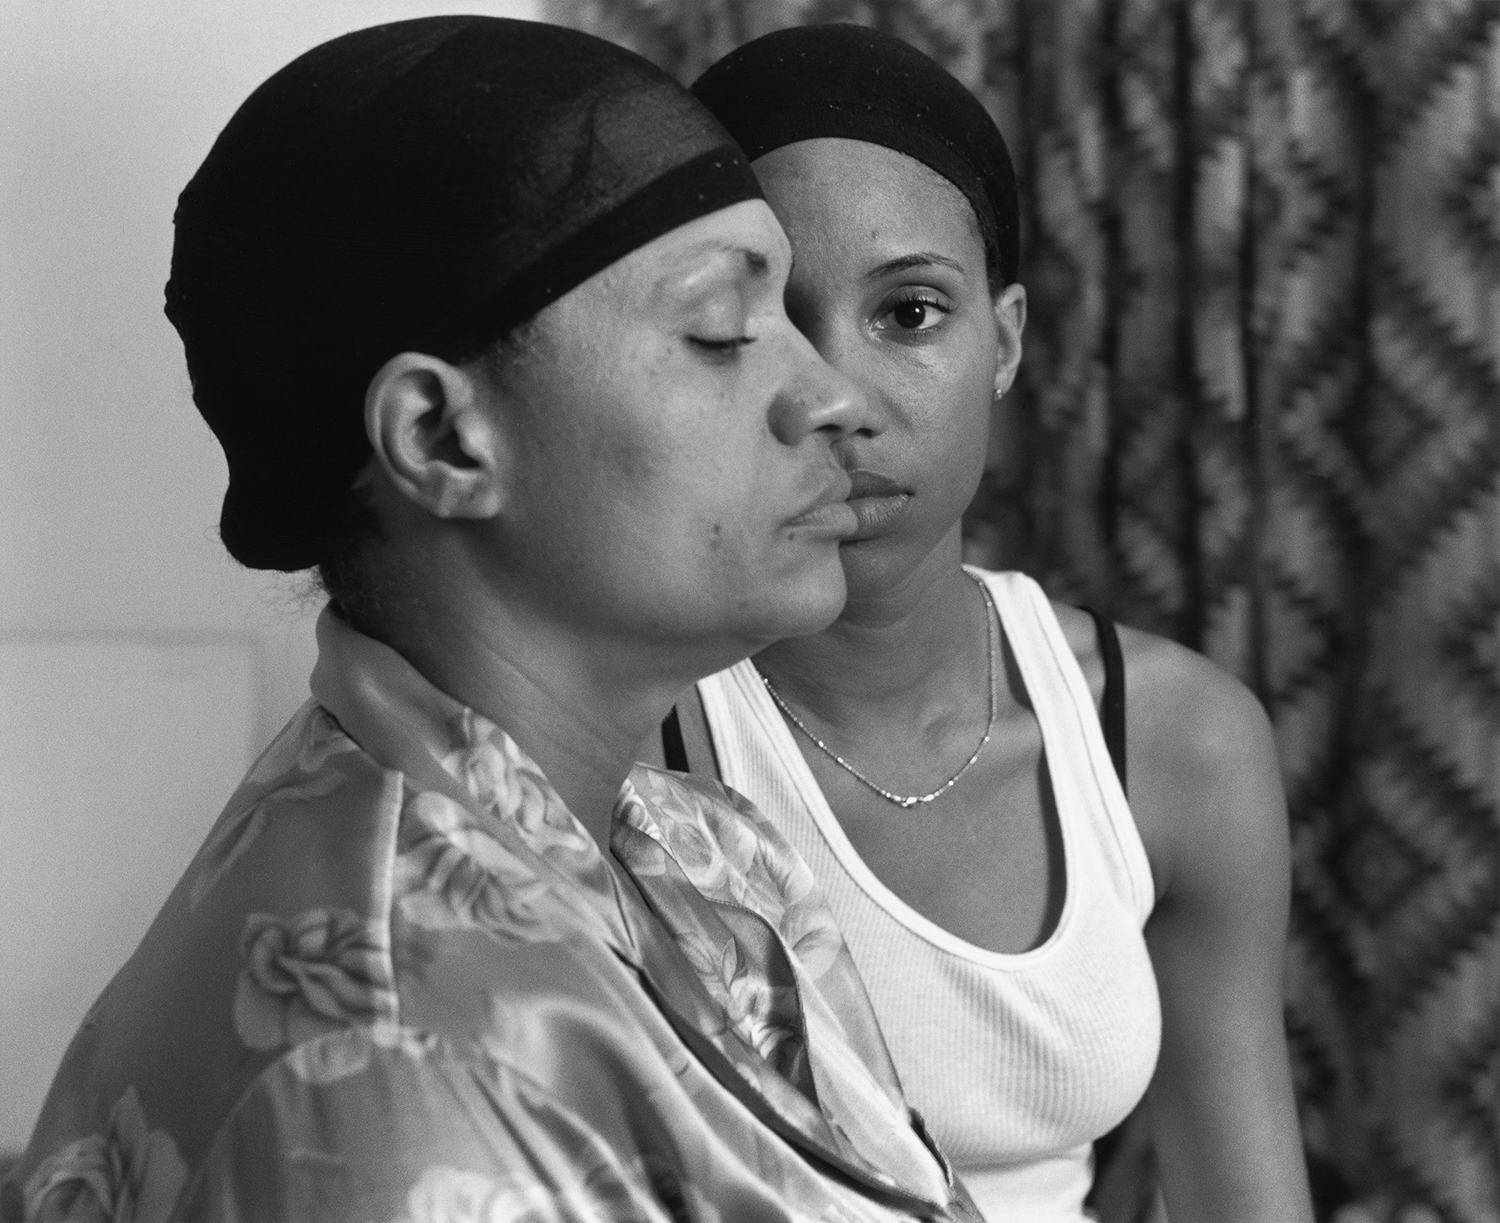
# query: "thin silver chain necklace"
905, 801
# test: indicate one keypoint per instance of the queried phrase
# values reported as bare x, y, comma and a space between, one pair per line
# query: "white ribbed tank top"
1016, 1062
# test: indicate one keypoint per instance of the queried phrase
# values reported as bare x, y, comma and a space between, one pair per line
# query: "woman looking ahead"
1031, 943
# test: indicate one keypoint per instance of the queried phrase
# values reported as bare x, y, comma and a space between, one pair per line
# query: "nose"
817, 399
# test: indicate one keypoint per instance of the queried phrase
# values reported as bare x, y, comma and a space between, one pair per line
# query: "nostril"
849, 410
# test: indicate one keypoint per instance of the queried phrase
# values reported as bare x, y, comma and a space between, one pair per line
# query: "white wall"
140, 668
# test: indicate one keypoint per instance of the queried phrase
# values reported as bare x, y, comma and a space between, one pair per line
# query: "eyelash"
918, 297
721, 348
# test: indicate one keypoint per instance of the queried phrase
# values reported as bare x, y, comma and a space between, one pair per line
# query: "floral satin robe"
401, 982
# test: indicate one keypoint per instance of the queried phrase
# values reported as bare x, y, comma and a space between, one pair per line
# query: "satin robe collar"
694, 899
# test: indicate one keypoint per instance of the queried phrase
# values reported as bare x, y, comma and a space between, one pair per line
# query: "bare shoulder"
1205, 781
1187, 714
1205, 791
1205, 784
1183, 710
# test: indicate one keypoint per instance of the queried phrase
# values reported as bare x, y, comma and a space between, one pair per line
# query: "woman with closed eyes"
1041, 953
487, 317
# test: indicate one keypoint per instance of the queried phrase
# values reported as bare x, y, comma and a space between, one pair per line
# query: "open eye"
916, 310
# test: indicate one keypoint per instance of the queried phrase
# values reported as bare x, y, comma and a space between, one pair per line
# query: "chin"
873, 565
802, 606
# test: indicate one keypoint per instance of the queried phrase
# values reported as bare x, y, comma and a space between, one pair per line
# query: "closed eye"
720, 348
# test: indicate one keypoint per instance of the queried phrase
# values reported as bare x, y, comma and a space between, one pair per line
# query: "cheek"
660, 469
948, 406
670, 490
599, 451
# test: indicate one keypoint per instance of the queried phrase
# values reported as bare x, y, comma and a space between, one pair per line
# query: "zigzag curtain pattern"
1260, 413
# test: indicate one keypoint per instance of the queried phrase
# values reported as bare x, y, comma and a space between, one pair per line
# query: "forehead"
743, 239
866, 199
717, 255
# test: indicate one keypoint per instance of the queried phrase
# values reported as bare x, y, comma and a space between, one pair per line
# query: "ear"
1010, 316
432, 428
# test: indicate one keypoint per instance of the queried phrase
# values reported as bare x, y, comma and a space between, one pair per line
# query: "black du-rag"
421, 186
854, 83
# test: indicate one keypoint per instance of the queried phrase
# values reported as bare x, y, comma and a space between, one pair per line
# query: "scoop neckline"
859, 870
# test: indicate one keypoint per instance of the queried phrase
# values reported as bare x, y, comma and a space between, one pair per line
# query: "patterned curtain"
1260, 413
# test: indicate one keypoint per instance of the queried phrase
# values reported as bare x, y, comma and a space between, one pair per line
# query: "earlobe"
428, 426
1010, 319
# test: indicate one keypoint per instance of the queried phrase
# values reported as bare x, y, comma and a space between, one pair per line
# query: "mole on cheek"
716, 537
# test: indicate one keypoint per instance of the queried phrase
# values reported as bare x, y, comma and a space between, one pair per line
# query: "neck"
896, 651
578, 706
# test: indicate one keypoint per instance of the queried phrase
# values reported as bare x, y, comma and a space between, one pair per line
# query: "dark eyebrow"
922, 259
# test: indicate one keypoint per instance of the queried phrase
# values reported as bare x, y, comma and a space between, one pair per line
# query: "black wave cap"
847, 81
421, 186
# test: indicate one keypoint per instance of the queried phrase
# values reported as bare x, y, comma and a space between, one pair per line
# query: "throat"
896, 664
938, 726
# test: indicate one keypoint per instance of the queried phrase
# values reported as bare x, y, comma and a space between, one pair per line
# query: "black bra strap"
673, 750
1112, 707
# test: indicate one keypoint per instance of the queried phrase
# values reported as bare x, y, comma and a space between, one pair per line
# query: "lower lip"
832, 520
875, 514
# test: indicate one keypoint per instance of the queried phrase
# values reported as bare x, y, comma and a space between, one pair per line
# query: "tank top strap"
1036, 1053
1078, 755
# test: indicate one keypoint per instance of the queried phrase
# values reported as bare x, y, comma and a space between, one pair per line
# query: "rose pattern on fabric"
305, 746
504, 781
129, 1174
763, 1015
718, 860
325, 969
454, 1195
310, 1010
648, 856
810, 931
599, 1187
451, 874
342, 1054
733, 855
292, 770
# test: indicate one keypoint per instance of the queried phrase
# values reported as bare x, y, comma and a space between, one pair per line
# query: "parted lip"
867, 483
